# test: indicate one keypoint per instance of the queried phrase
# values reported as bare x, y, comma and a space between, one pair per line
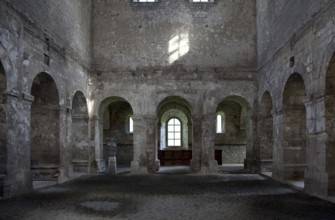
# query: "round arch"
80, 149
174, 107
174, 101
294, 128
115, 138
235, 142
45, 128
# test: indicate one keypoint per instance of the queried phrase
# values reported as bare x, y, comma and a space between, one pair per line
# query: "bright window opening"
174, 133
220, 123
131, 125
145, 0
201, 0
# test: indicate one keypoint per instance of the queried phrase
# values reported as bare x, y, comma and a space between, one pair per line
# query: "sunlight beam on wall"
178, 46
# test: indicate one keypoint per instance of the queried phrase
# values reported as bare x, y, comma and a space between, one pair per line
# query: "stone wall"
232, 154
130, 35
279, 21
199, 53
234, 127
41, 37
296, 38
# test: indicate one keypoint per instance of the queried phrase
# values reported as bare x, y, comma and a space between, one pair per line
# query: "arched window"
220, 123
174, 133
131, 124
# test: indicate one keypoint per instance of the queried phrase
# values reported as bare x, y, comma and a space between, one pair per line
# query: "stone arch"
330, 125
233, 142
326, 64
3, 146
174, 107
45, 129
174, 113
80, 149
115, 138
294, 128
266, 132
175, 101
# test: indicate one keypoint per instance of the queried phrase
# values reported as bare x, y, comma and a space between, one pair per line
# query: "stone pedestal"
101, 166
112, 168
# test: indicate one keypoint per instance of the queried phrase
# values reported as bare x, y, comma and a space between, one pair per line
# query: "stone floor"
172, 196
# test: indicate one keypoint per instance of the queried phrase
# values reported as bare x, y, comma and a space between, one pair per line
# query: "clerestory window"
202, 1
144, 1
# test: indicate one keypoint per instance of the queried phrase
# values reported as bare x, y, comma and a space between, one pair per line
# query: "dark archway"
117, 132
232, 140
80, 148
330, 126
3, 147
266, 133
294, 129
45, 131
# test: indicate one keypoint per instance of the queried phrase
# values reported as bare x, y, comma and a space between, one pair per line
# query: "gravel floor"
162, 196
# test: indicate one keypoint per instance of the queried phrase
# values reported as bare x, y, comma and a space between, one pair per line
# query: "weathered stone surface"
73, 74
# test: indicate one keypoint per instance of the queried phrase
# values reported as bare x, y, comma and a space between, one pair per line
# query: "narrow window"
145, 1
131, 124
218, 124
205, 1
174, 133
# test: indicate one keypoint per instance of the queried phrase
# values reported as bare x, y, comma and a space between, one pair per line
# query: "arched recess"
45, 130
294, 129
174, 113
3, 148
266, 133
174, 107
80, 149
115, 135
231, 144
330, 125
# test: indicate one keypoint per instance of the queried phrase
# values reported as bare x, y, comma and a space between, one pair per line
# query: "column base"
101, 165
195, 166
212, 168
135, 168
112, 168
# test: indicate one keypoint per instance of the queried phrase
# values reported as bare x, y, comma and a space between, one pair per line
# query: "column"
278, 165
316, 176
65, 160
139, 163
18, 179
208, 163
100, 162
151, 144
196, 145
252, 161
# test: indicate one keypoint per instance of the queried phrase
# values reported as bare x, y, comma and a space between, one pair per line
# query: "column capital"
277, 112
13, 93
28, 97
